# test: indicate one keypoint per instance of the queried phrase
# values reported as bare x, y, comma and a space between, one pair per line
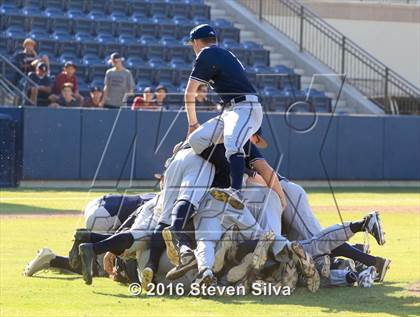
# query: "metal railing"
313, 35
11, 94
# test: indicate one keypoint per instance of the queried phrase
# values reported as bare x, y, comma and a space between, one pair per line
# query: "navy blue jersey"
123, 205
42, 100
216, 156
222, 70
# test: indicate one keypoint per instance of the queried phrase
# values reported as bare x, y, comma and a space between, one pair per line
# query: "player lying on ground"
104, 214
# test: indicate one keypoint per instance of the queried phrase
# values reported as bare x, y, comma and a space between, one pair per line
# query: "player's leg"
198, 175
298, 218
209, 133
157, 248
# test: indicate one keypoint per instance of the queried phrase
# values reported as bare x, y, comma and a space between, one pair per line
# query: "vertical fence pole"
343, 55
302, 12
387, 103
260, 7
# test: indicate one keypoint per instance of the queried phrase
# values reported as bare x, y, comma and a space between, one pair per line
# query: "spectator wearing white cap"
119, 83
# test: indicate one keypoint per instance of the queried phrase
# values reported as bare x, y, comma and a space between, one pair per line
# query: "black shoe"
374, 227
187, 263
382, 266
87, 255
80, 236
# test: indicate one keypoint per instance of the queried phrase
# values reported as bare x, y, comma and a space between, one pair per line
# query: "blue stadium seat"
84, 88
200, 20
257, 54
265, 76
183, 26
153, 47
174, 48
56, 4
182, 70
144, 73
123, 24
165, 74
120, 6
34, 3
98, 6
147, 26
66, 57
14, 37
143, 83
35, 18
159, 7
3, 44
165, 25
132, 47
225, 30
11, 15
139, 7
109, 44
94, 66
236, 48
199, 10
16, 3
86, 43
102, 22
287, 77
81, 5
44, 41
269, 96
81, 22
64, 42
97, 82
180, 8
60, 23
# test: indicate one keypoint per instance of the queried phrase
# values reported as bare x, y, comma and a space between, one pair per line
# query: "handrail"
15, 68
315, 36
16, 90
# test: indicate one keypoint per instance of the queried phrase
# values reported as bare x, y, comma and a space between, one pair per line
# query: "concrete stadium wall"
80, 144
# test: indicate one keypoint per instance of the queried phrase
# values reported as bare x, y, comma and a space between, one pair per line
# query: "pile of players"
211, 239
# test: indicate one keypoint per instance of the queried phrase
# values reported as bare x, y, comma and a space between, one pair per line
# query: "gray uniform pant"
233, 127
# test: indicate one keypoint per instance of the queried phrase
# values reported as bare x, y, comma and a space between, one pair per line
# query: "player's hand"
109, 261
192, 128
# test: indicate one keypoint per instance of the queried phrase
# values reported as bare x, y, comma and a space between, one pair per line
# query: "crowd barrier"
86, 144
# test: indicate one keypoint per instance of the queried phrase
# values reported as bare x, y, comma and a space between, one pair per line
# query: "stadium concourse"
149, 35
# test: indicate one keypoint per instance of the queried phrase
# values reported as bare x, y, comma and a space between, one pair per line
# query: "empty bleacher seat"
11, 15
153, 47
225, 30
81, 5
139, 7
81, 22
257, 54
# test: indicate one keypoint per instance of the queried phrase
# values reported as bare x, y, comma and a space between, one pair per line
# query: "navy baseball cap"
201, 31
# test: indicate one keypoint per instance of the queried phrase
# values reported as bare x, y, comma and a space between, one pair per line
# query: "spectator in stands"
68, 75
67, 98
201, 100
27, 59
144, 102
95, 98
39, 95
119, 83
160, 96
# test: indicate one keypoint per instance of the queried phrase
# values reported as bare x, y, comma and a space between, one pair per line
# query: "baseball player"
242, 114
103, 214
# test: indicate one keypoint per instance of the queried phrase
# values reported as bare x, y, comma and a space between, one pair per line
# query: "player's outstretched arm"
270, 178
189, 99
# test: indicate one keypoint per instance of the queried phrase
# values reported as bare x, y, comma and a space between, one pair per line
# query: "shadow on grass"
377, 300
19, 209
66, 277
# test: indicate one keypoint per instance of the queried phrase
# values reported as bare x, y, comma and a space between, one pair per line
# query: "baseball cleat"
228, 195
187, 263
170, 243
261, 250
366, 278
147, 278
374, 227
205, 277
238, 272
80, 236
40, 262
307, 265
227, 242
323, 265
88, 256
289, 274
381, 266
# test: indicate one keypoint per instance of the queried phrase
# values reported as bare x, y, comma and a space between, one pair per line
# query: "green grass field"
30, 219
